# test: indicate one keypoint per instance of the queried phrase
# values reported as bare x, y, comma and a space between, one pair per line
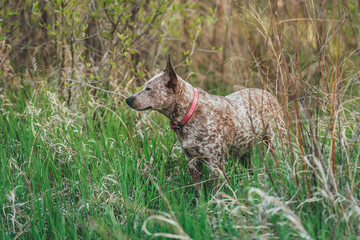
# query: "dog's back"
258, 115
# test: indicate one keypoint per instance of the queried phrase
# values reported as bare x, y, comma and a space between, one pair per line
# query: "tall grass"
77, 163
77, 173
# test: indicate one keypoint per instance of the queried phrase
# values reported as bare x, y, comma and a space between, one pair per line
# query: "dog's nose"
129, 100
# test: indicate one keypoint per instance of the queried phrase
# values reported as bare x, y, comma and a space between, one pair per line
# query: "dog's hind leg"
245, 160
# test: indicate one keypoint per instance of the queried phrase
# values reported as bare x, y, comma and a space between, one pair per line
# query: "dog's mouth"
147, 108
140, 109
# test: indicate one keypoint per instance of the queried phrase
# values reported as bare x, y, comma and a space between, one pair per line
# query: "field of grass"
95, 171
77, 163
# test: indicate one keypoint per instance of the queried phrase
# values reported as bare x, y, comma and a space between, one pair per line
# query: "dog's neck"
183, 100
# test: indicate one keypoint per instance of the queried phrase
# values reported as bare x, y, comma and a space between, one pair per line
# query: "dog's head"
158, 93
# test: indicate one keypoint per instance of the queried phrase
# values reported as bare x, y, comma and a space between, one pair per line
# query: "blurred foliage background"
120, 44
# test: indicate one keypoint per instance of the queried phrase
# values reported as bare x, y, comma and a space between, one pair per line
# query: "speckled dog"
208, 126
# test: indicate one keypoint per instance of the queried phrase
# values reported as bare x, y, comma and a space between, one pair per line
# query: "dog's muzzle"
130, 102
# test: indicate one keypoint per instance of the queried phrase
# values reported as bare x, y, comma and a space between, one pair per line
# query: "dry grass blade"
172, 221
181, 234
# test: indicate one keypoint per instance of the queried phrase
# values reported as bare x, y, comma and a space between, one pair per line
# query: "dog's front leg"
195, 167
196, 175
218, 172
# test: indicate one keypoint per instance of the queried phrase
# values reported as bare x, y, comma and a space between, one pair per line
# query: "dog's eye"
147, 89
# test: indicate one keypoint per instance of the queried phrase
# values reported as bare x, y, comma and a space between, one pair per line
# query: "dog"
210, 126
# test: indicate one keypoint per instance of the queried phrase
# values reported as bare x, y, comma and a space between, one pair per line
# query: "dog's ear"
172, 75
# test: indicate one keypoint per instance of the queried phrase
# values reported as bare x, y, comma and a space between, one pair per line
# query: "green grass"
77, 173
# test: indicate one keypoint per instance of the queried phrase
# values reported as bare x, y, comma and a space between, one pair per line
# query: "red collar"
178, 126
